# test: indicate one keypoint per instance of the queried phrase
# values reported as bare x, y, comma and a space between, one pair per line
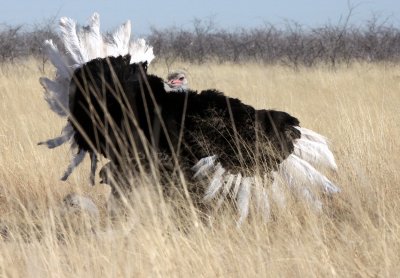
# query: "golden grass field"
356, 235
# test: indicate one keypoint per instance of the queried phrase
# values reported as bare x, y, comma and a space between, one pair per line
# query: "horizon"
223, 14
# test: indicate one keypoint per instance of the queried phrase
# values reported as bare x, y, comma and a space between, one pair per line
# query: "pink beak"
175, 82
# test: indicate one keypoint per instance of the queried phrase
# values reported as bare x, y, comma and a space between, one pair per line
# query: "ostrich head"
177, 81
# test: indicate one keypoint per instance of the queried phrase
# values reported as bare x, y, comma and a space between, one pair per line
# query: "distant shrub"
292, 44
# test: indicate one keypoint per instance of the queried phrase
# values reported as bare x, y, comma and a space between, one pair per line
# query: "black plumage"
117, 110
101, 105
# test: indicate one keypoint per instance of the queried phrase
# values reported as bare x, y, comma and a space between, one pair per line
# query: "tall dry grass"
357, 234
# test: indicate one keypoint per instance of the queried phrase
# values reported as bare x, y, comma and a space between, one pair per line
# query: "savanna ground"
357, 234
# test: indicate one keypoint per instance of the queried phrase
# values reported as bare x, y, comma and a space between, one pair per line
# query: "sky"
145, 14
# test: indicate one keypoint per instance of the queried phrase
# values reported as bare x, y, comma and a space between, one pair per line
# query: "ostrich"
207, 132
167, 115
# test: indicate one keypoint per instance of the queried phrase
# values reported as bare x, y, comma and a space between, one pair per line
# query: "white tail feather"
316, 153
140, 51
71, 41
91, 39
120, 40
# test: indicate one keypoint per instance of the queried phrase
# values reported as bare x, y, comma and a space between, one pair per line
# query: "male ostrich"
205, 131
116, 109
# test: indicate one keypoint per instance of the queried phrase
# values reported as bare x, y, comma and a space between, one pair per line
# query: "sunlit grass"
358, 233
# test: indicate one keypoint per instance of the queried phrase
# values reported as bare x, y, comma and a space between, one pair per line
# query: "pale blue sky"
226, 14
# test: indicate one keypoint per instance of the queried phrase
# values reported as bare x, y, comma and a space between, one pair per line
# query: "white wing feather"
120, 40
56, 95
262, 200
65, 136
312, 135
57, 59
298, 172
243, 199
76, 160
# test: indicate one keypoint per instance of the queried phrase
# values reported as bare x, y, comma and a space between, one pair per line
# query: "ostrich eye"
181, 78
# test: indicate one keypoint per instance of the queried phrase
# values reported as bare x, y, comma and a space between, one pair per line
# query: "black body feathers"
117, 109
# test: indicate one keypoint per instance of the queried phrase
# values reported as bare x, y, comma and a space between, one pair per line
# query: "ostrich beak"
175, 82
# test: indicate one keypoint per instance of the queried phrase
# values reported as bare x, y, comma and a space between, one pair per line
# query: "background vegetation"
289, 44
